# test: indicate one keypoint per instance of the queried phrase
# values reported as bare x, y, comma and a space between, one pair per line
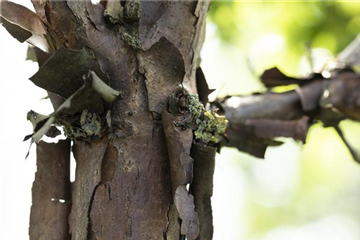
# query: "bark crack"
90, 231
129, 219
167, 222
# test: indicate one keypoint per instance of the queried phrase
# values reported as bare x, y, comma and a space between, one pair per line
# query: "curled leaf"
63, 72
107, 93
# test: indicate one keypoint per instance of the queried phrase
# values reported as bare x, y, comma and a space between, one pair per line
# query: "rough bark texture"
123, 181
89, 159
51, 192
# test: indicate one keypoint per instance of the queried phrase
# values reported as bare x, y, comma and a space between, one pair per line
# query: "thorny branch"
255, 120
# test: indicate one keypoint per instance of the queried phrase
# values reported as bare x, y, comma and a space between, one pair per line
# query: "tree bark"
51, 192
123, 184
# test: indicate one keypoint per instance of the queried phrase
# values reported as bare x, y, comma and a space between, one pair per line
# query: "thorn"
355, 156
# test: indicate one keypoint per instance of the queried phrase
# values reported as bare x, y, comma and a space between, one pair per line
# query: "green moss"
210, 125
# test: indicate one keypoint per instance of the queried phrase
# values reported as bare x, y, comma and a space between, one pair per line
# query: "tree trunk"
123, 187
149, 168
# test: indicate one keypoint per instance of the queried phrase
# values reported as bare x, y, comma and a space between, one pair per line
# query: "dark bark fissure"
107, 173
91, 233
88, 177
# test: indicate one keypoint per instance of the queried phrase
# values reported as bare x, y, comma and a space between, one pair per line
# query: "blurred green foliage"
297, 186
330, 25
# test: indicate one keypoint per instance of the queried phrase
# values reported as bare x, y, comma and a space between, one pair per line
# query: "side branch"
254, 121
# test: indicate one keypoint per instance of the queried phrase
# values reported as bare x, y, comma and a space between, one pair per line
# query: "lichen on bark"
210, 125
85, 126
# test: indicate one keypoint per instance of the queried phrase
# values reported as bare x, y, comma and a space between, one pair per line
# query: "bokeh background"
299, 192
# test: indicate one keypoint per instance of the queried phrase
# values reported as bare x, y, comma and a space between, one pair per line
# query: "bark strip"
88, 175
181, 166
51, 192
202, 186
23, 24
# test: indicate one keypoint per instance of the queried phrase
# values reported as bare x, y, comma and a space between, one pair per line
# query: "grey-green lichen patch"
86, 126
195, 106
132, 10
210, 125
131, 40
90, 123
113, 11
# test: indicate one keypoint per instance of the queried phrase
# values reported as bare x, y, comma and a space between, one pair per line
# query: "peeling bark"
179, 142
89, 159
202, 187
147, 49
23, 24
255, 120
51, 192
